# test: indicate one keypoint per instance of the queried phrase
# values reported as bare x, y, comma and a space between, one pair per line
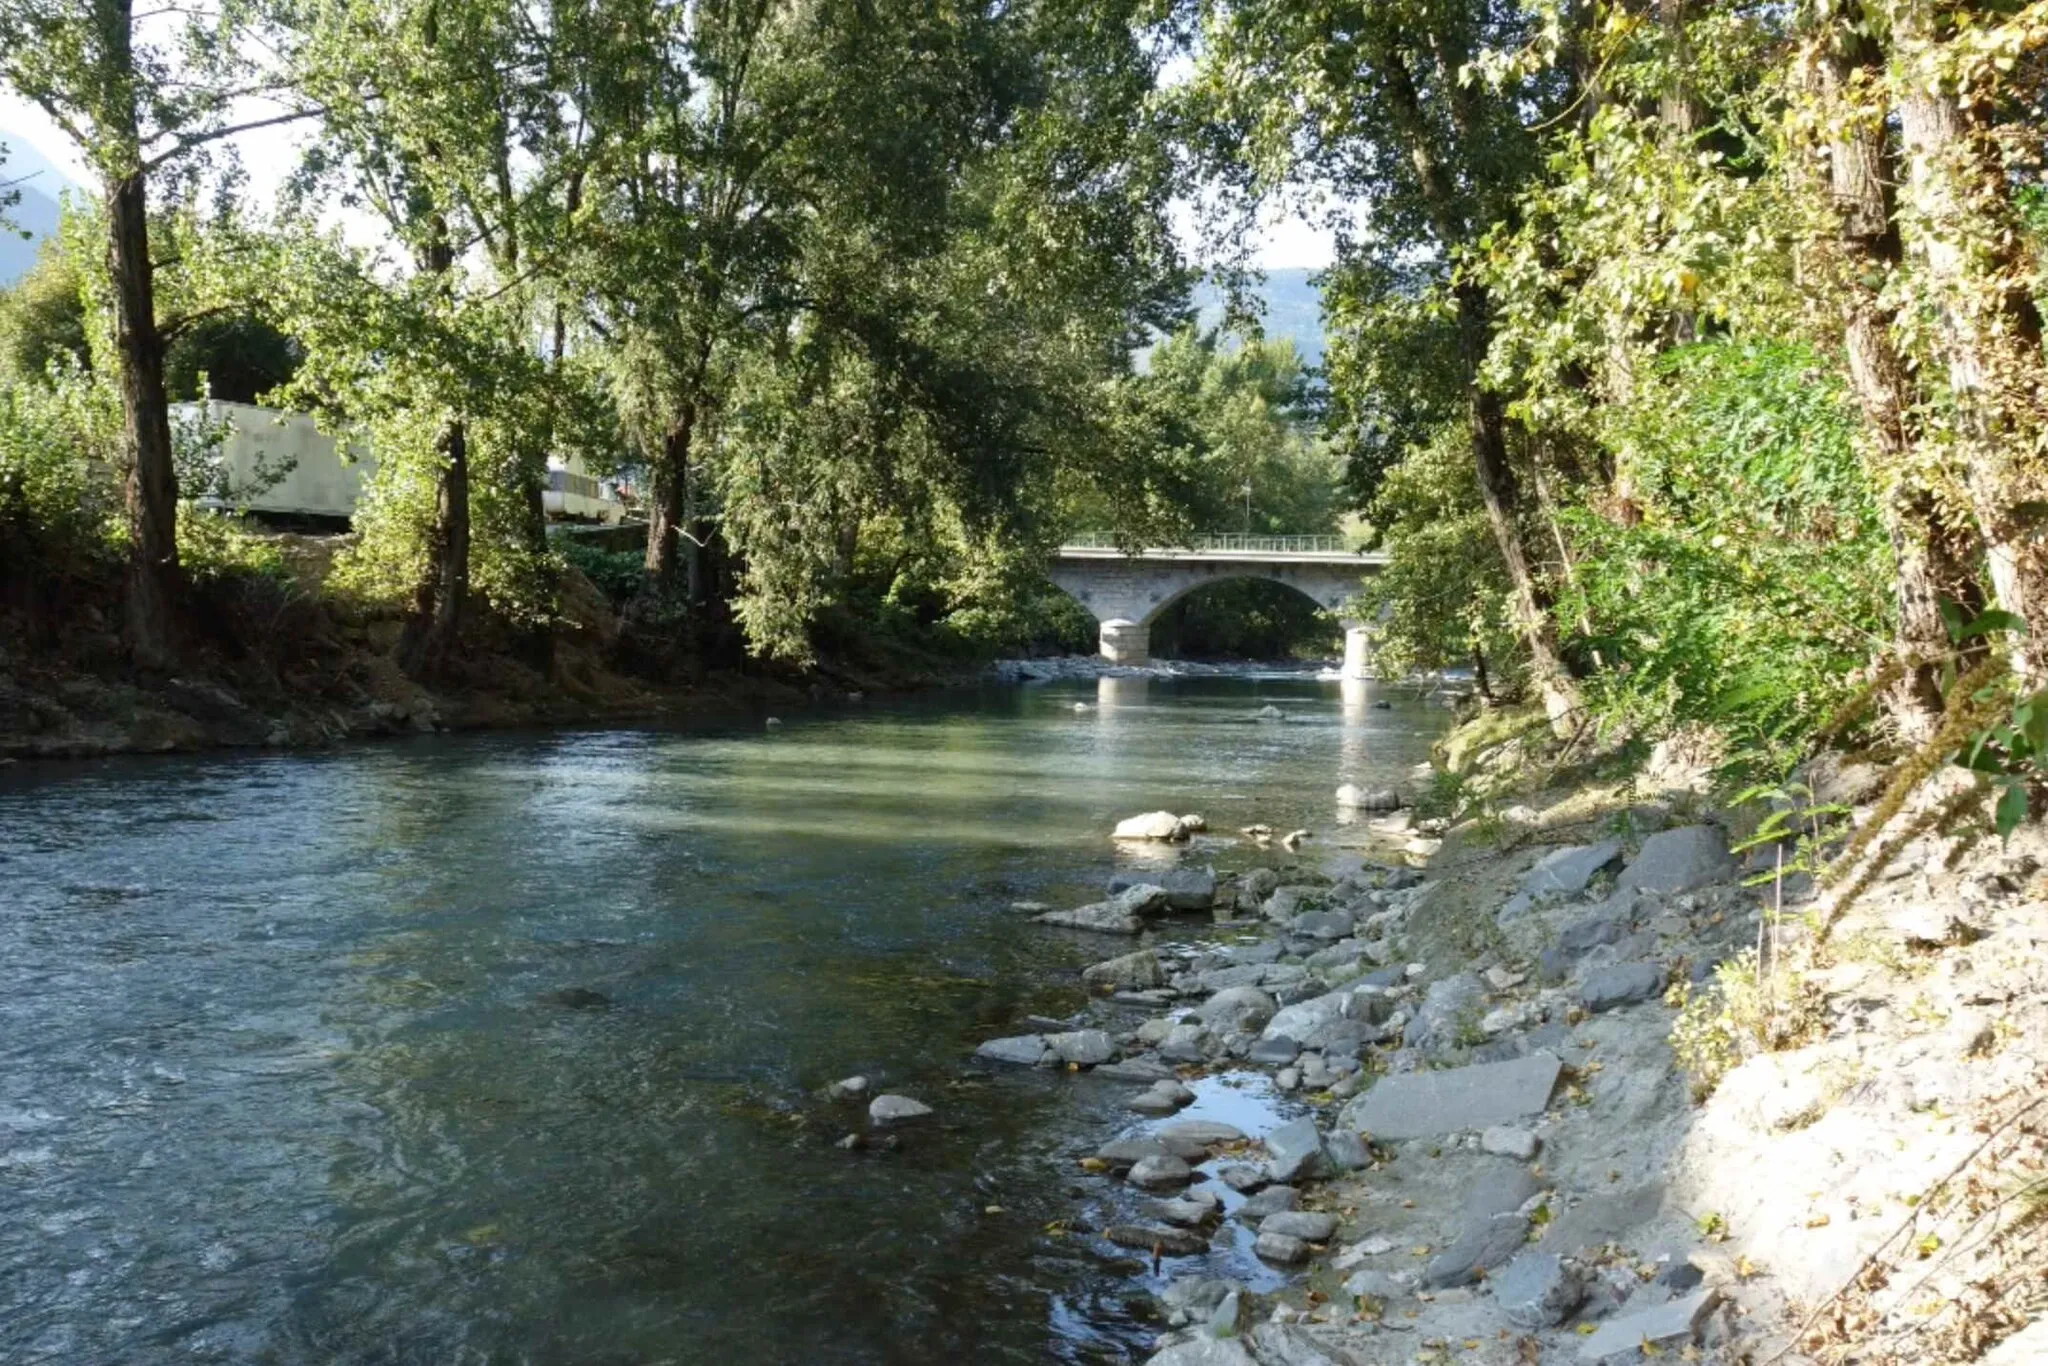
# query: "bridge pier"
1357, 651
1126, 642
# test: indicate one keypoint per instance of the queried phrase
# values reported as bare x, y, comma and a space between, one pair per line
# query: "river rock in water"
1153, 825
1025, 1050
1130, 971
891, 1109
1083, 1047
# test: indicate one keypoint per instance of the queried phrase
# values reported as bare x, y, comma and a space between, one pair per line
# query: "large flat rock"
1678, 861
1568, 871
1665, 1326
1419, 1104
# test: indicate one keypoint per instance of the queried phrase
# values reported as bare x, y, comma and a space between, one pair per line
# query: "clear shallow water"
293, 1066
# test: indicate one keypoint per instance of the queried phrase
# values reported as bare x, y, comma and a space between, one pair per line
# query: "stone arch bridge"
1127, 592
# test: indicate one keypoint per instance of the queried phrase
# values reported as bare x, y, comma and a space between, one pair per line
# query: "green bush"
1750, 581
617, 573
60, 453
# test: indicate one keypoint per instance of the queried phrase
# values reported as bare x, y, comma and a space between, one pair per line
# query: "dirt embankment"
276, 664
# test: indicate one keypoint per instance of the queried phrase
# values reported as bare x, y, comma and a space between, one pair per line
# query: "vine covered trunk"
151, 484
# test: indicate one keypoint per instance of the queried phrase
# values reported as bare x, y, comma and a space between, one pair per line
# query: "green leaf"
1992, 619
2012, 808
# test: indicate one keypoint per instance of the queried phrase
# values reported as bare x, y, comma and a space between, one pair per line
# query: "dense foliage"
1686, 362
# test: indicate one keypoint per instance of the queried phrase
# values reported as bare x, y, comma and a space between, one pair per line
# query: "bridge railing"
1237, 542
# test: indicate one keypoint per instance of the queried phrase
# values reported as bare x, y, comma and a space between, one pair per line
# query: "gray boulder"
1282, 1248
1679, 861
1304, 1018
1302, 1224
1422, 1104
1537, 1290
1025, 1050
1159, 1173
1665, 1326
1622, 984
1608, 924
1485, 1244
1085, 1047
1147, 1070
1237, 1010
1203, 1132
1187, 889
1505, 1140
1295, 1150
1155, 1102
1328, 926
1123, 1153
1195, 1297
1568, 871
1271, 1200
1288, 902
1131, 972
1102, 917
1204, 1351
1186, 1043
1347, 1151
1277, 1051
1449, 1014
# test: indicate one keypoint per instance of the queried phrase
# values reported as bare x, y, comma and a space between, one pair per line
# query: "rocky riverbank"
1536, 1103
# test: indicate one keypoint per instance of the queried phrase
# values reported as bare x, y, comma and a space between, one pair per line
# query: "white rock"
1504, 1140
896, 1109
1153, 825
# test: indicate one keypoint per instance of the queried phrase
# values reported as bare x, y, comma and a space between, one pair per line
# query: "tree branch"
184, 145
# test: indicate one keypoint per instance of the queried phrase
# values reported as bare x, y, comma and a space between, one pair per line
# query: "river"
509, 1047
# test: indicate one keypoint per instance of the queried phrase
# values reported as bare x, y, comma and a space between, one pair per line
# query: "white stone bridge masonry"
1127, 592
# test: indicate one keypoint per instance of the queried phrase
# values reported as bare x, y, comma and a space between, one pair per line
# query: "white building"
282, 463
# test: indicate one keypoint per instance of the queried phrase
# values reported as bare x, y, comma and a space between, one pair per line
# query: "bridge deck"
1219, 554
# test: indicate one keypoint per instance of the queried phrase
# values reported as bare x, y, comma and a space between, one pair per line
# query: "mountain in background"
1293, 308
36, 211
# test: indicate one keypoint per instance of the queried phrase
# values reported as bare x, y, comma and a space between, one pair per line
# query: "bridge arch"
1127, 592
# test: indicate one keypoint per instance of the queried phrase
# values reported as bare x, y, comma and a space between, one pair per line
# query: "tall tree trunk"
152, 482
151, 488
1531, 600
1861, 170
1486, 423
665, 511
1485, 419
441, 599
1964, 245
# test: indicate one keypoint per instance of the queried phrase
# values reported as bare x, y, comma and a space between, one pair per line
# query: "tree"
1375, 102
443, 118
842, 287
139, 101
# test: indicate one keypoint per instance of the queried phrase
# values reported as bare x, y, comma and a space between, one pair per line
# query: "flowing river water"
509, 1047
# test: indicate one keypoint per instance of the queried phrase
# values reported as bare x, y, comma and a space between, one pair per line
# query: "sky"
1288, 241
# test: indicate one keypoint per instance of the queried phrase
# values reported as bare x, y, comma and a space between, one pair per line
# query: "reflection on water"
508, 1047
